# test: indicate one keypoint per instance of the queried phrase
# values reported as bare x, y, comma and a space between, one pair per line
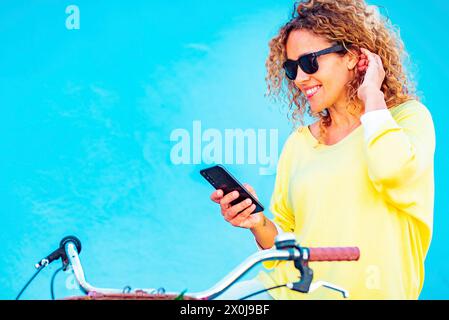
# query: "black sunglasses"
308, 62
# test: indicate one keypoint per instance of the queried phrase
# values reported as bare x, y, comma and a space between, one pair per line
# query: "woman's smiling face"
334, 71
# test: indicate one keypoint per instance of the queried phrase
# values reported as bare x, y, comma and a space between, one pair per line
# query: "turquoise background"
85, 124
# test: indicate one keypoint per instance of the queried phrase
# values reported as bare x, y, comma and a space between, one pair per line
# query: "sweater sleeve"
400, 156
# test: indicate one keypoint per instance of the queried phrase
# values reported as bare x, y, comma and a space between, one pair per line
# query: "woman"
362, 175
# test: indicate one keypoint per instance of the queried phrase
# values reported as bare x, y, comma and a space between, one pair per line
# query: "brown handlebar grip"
334, 254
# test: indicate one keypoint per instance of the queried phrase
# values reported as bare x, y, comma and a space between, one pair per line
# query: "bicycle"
286, 249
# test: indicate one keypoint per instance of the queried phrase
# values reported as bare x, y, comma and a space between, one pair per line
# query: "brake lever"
305, 284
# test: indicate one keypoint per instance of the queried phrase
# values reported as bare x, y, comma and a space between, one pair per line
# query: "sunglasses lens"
308, 64
291, 69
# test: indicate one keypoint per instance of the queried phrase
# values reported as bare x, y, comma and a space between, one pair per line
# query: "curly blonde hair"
355, 25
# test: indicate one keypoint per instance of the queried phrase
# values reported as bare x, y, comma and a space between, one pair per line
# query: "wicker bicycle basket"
129, 296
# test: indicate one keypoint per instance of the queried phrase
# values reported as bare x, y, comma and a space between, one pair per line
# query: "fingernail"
248, 201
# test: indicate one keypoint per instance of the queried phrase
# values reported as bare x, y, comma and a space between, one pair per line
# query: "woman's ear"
353, 59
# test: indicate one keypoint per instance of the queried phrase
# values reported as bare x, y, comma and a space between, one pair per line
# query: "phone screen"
220, 178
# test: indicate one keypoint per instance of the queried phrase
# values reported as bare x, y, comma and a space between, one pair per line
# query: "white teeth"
312, 91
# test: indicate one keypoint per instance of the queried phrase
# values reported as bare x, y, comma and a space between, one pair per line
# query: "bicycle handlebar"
216, 290
286, 250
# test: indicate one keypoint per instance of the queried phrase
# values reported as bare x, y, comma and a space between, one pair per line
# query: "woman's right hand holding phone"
239, 215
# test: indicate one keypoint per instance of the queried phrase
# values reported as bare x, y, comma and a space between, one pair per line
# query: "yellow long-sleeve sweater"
376, 194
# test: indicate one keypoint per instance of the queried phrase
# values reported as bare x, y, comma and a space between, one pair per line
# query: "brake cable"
52, 283
262, 291
29, 281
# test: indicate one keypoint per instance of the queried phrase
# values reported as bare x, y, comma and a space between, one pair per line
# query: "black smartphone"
220, 178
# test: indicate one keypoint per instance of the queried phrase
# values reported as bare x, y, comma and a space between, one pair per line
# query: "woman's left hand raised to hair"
369, 91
